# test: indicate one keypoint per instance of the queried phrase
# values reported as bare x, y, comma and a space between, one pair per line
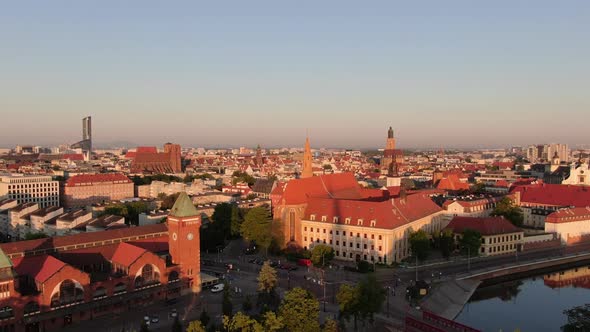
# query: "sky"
241, 73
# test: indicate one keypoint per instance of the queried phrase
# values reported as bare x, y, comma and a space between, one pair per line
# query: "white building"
579, 175
570, 225
30, 189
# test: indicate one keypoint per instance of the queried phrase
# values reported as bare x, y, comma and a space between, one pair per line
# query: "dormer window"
347, 221
312, 217
359, 222
373, 223
324, 218
335, 220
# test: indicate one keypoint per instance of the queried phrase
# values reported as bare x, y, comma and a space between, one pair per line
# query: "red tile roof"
452, 182
126, 254
553, 194
40, 268
569, 215
485, 226
73, 156
90, 179
388, 214
71, 240
342, 186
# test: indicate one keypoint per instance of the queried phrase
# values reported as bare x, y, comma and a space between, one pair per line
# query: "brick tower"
184, 241
307, 161
173, 150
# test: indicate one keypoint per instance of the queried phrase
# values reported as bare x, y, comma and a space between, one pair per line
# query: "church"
50, 283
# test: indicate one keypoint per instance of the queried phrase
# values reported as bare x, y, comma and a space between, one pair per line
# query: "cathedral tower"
307, 161
184, 222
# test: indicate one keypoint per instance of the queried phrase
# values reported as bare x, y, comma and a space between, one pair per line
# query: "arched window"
99, 292
148, 276
31, 307
6, 312
69, 291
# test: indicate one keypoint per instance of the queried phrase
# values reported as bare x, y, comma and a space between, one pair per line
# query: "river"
533, 304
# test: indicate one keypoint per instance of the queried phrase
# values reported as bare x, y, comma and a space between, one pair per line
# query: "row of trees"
129, 210
421, 244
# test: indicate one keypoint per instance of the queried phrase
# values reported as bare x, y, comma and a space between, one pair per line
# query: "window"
305, 228
373, 223
372, 236
359, 222
324, 218
347, 221
337, 232
379, 237
344, 243
337, 242
358, 235
335, 220
305, 238
358, 245
350, 244
365, 246
365, 235
324, 231
380, 247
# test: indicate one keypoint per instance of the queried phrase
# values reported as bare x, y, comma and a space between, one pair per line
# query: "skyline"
457, 75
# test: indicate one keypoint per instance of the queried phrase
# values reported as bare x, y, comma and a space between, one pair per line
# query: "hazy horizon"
457, 74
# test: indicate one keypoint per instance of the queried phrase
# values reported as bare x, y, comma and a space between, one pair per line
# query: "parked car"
217, 288
304, 262
155, 319
173, 313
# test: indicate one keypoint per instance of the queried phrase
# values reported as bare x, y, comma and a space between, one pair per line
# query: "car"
217, 288
155, 319
146, 318
229, 266
173, 313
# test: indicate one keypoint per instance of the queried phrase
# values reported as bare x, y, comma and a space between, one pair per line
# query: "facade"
471, 208
551, 195
545, 152
239, 188
30, 189
87, 189
579, 175
148, 160
48, 284
358, 223
498, 235
570, 225
307, 171
159, 187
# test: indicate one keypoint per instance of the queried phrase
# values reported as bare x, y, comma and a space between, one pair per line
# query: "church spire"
390, 133
307, 161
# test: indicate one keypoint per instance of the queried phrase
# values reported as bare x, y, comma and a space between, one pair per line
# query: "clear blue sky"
442, 73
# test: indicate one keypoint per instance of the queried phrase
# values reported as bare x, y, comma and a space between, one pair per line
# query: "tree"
267, 278
34, 236
321, 254
222, 215
371, 297
330, 325
168, 201
446, 243
241, 322
257, 227
507, 209
363, 266
347, 299
176, 326
235, 221
144, 327
300, 311
419, 244
242, 177
226, 305
247, 304
195, 326
470, 242
272, 322
268, 299
204, 318
578, 319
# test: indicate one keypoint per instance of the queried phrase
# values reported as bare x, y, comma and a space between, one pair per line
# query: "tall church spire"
307, 161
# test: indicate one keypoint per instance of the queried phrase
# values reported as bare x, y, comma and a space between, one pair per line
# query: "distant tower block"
307, 161
86, 143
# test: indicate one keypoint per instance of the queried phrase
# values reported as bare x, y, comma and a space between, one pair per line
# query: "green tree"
446, 243
419, 244
226, 305
247, 304
330, 325
242, 177
241, 322
363, 266
222, 215
204, 318
321, 255
257, 227
168, 201
578, 319
347, 299
470, 242
272, 322
195, 326
235, 221
371, 297
34, 236
176, 326
268, 299
507, 209
300, 311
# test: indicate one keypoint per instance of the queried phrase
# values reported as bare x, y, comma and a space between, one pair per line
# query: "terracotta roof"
146, 149
91, 179
388, 214
554, 194
63, 241
342, 186
126, 254
485, 226
569, 215
40, 268
452, 182
73, 156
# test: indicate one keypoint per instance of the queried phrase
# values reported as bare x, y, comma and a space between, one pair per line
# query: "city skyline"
209, 75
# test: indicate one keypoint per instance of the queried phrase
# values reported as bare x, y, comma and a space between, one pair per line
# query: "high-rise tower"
86, 143
307, 161
173, 151
184, 241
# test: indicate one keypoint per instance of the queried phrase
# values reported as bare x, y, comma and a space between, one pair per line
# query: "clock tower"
184, 222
